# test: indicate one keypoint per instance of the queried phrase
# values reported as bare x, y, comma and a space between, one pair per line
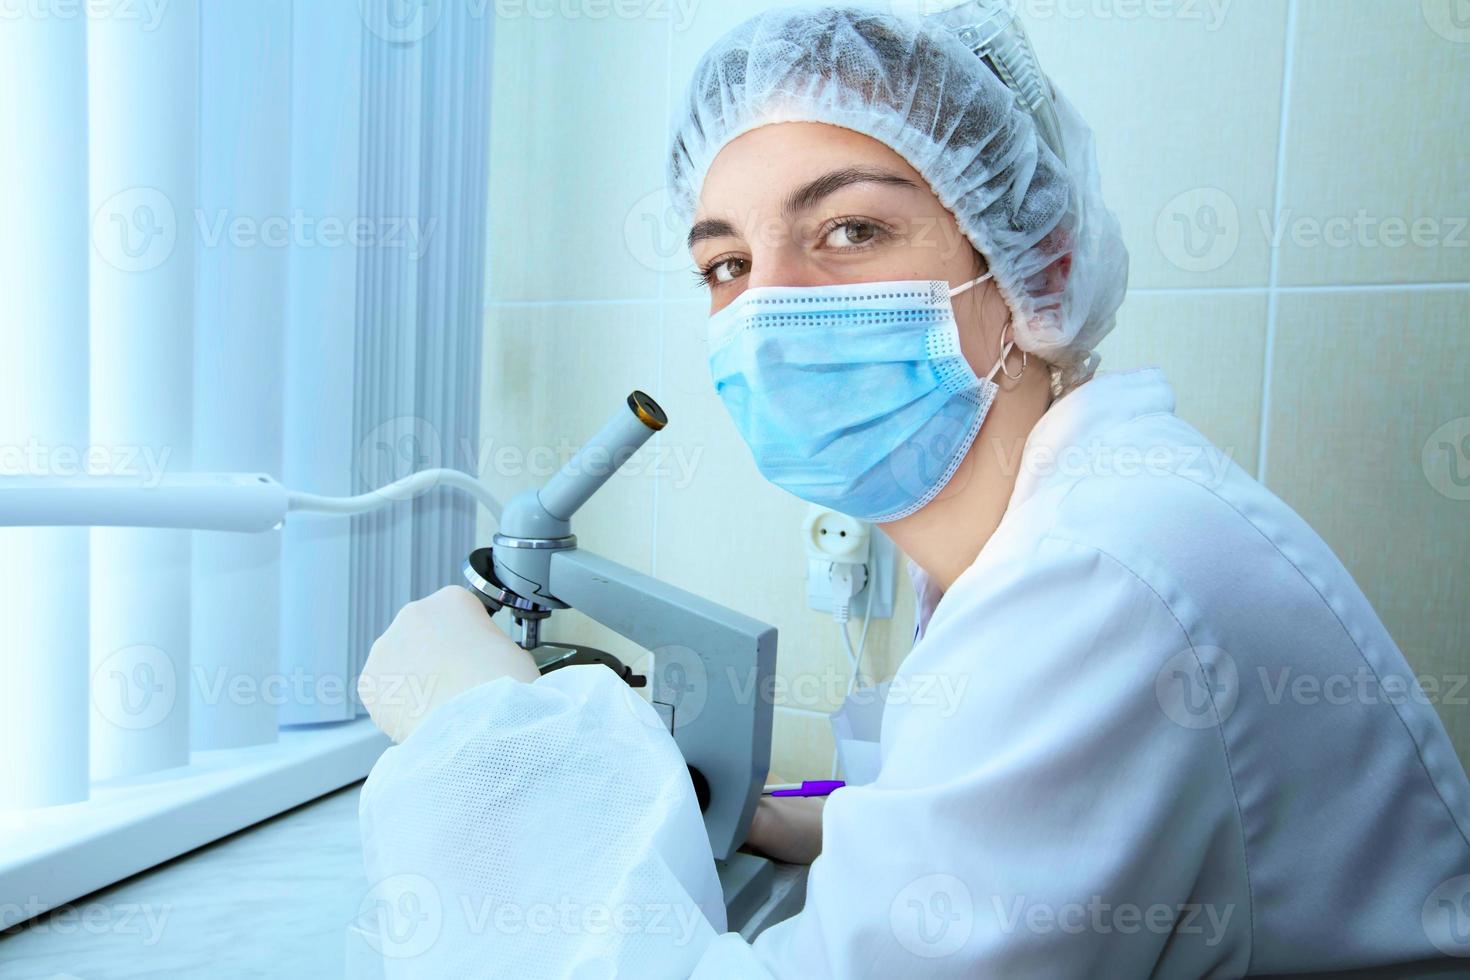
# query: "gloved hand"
435, 649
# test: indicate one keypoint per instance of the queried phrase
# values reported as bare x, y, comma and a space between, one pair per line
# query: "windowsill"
54, 855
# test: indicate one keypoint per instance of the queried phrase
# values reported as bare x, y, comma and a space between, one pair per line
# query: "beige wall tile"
1186, 107
801, 748
1362, 386
1212, 350
887, 650
577, 141
552, 376
1378, 142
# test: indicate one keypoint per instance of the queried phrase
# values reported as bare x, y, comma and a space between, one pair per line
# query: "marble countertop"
274, 900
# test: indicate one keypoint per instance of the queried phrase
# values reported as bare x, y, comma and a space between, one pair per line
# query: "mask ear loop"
1005, 349
966, 287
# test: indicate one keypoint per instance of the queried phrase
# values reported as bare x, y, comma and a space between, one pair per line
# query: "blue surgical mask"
854, 397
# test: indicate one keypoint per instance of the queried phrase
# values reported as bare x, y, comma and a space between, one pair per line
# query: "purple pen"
810, 787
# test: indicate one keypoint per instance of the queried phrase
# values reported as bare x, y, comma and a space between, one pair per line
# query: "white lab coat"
1099, 760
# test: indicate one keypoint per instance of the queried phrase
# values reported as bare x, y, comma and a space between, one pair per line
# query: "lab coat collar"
926, 597
1081, 416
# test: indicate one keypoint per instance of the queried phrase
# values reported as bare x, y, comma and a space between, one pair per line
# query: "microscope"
712, 666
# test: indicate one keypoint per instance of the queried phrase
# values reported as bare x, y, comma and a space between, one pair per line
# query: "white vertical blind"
419, 335
392, 439
251, 239
142, 113
43, 406
453, 194
245, 235
320, 377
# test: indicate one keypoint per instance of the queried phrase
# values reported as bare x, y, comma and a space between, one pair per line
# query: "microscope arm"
711, 665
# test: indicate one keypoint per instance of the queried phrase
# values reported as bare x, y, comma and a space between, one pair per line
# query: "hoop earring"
1024, 356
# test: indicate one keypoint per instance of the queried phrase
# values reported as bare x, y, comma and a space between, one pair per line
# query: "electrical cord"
846, 580
855, 656
399, 490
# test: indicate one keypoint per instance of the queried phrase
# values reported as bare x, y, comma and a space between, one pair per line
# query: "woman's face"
808, 204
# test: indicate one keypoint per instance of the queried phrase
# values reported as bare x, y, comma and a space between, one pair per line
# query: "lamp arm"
246, 502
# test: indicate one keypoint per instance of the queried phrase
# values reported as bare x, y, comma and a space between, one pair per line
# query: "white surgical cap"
1055, 250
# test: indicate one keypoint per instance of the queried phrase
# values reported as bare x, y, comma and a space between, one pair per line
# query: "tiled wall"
1336, 366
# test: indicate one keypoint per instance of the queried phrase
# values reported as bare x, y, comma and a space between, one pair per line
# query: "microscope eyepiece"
598, 459
647, 410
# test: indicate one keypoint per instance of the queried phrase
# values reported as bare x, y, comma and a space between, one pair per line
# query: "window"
250, 239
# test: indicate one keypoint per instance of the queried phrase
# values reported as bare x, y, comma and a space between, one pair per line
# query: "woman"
908, 275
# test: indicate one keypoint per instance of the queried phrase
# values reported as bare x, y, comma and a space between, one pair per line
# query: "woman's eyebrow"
810, 194
711, 228
804, 197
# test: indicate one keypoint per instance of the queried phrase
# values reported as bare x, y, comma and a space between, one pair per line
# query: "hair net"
1055, 250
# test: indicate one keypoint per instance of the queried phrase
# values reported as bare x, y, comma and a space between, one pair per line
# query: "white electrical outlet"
829, 536
835, 537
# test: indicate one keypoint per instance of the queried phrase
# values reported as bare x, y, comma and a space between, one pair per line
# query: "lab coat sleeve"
537, 830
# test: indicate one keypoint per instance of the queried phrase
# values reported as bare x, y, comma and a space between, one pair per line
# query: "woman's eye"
852, 234
726, 270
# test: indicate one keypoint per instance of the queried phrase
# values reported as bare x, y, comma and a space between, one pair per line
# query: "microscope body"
712, 666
